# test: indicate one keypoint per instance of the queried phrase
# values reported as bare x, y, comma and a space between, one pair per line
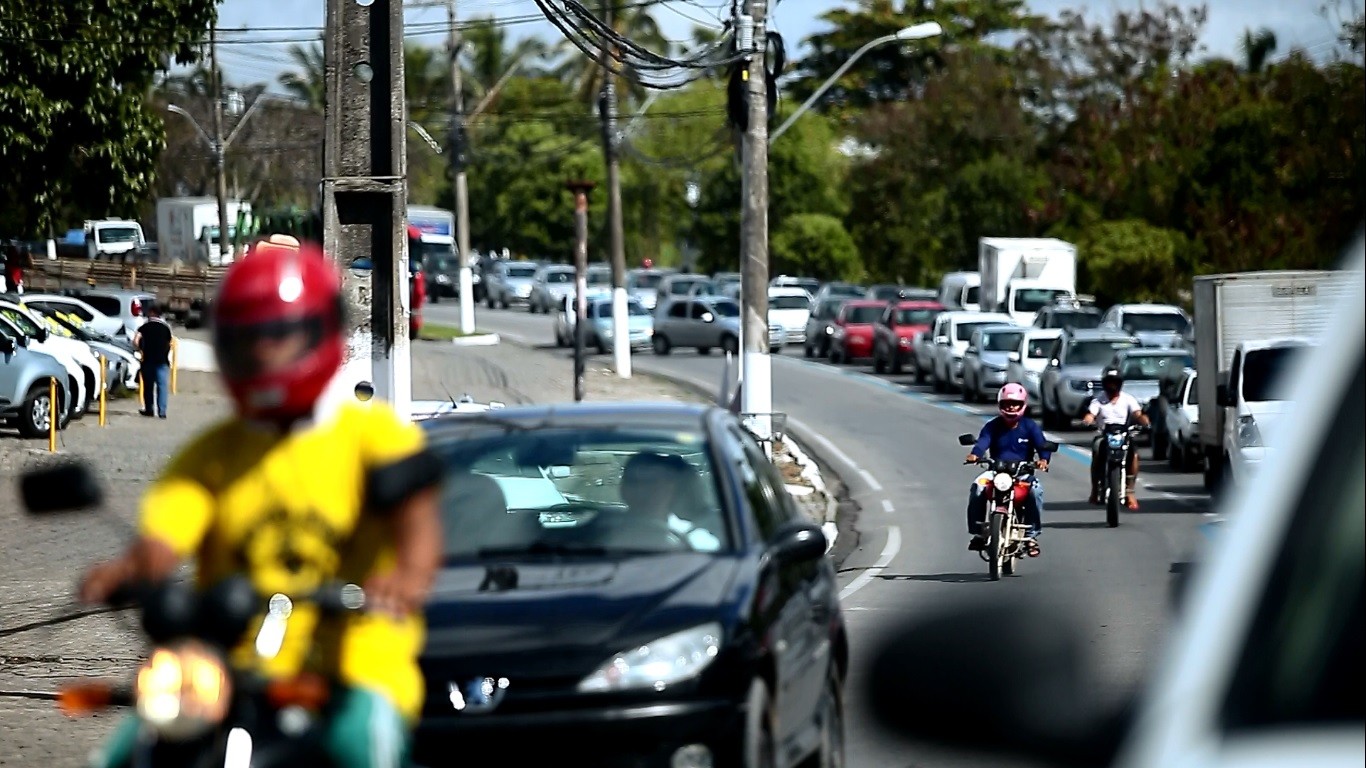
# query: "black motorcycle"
1117, 441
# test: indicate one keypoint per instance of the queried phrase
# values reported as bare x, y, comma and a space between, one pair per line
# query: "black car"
626, 585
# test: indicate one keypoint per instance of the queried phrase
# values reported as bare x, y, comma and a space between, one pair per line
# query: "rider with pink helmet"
1011, 436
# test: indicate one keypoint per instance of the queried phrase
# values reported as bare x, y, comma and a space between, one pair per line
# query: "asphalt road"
894, 446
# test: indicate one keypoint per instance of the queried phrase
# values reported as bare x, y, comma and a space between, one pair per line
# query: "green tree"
1129, 260
996, 197
634, 21
815, 244
305, 82
76, 135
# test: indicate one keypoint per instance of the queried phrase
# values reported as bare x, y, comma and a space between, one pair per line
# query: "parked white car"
1029, 359
121, 362
790, 308
951, 333
1182, 423
39, 340
99, 321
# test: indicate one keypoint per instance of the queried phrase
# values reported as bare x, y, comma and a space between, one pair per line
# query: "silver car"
986, 359
643, 285
1072, 376
705, 322
551, 284
510, 283
25, 388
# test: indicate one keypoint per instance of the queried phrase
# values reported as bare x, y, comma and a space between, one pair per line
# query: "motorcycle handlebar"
332, 597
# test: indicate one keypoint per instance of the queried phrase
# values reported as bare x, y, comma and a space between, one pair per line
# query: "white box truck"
1021, 275
112, 238
187, 228
1249, 327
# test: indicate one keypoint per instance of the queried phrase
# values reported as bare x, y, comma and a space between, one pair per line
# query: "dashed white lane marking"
887, 506
889, 551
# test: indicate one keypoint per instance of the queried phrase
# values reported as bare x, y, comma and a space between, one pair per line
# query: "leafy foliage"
76, 133
815, 244
1130, 260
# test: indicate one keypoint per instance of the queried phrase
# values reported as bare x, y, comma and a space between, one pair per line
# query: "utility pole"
756, 389
365, 183
580, 190
460, 157
607, 103
224, 244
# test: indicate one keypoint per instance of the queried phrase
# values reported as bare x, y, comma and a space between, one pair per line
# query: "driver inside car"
660, 491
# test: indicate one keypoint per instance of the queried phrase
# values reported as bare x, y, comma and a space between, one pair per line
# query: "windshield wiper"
543, 548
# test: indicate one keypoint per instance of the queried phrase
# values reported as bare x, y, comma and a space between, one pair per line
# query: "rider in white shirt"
1117, 407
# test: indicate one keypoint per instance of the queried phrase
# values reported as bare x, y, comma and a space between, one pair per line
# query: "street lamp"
220, 149
914, 32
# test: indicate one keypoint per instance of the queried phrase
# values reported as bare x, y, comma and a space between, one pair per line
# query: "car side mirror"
70, 486
965, 439
1222, 396
928, 670
1013, 357
6, 345
798, 542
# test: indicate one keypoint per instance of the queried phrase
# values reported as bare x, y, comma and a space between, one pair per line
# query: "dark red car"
895, 330
853, 337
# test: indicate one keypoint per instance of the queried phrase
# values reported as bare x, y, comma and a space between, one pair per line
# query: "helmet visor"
1012, 407
262, 349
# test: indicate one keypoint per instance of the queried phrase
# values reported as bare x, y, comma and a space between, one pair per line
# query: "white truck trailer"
187, 228
1249, 327
1021, 275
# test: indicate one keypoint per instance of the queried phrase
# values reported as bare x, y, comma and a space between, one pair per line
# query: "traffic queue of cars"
66, 339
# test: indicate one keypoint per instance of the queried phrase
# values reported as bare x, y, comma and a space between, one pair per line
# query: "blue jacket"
1018, 443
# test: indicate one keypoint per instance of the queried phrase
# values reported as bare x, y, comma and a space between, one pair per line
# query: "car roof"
865, 303
1151, 309
918, 304
1096, 334
1046, 332
1000, 328
966, 315
787, 290
649, 415
1152, 352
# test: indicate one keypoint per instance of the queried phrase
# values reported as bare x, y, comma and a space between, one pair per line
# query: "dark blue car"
626, 585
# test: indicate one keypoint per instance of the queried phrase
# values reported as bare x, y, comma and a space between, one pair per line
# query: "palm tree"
426, 81
1257, 48
306, 84
586, 74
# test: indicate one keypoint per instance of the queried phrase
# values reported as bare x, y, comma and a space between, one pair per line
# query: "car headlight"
663, 662
1002, 481
183, 690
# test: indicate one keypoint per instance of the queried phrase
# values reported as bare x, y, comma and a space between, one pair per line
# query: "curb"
477, 340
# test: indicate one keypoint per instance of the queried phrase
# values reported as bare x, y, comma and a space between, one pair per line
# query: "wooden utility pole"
580, 190
621, 337
756, 393
219, 150
365, 181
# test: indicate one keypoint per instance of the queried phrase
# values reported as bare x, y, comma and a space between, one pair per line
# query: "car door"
972, 359
702, 332
786, 606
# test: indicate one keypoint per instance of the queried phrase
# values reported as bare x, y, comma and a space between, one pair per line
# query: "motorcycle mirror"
933, 667
70, 486
965, 439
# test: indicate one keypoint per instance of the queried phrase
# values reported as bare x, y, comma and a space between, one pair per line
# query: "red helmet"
1011, 401
278, 330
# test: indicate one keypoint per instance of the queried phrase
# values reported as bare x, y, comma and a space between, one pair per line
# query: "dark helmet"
1111, 381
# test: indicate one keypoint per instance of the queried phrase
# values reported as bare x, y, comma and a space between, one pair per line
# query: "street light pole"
916, 32
219, 150
459, 162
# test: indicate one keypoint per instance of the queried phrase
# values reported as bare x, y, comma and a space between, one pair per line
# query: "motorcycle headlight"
183, 690
658, 664
1002, 481
1116, 439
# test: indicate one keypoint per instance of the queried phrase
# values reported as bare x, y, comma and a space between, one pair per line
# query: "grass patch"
439, 332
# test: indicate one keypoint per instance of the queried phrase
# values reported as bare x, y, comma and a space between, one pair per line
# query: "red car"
897, 327
853, 337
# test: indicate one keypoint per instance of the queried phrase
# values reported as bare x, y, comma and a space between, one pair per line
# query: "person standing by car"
153, 339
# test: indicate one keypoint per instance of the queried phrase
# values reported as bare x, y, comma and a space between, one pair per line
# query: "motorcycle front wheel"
996, 545
1114, 496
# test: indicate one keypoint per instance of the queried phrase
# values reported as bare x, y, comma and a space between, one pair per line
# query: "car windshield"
886, 292
584, 491
789, 302
916, 316
599, 277
973, 294
1094, 352
1040, 348
1001, 342
1155, 321
684, 287
559, 276
1035, 299
646, 280
118, 235
521, 272
25, 323
1153, 367
1074, 320
725, 308
723, 280
1265, 372
69, 327
965, 330
866, 315
831, 307
850, 291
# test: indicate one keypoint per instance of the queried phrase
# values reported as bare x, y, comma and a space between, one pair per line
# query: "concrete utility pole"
459, 162
224, 244
580, 190
365, 181
756, 367
621, 337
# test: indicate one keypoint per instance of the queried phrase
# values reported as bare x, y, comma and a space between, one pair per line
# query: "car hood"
996, 359
1082, 372
518, 282
564, 619
909, 331
789, 318
1162, 339
859, 329
559, 290
78, 349
1144, 390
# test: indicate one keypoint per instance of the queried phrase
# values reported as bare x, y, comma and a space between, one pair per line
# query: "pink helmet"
1012, 401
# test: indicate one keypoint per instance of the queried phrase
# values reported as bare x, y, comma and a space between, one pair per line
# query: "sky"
256, 34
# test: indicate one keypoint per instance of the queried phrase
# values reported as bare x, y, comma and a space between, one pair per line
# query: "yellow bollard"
103, 386
142, 401
52, 415
174, 346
